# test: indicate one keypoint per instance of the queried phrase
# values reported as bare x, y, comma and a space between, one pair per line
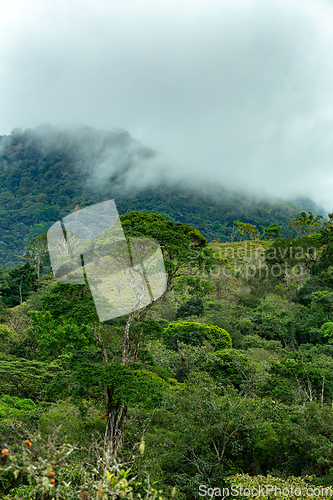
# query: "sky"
232, 92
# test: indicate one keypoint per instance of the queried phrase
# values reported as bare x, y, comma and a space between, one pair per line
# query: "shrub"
46, 466
196, 334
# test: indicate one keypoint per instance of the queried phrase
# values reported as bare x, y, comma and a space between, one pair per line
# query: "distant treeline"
45, 172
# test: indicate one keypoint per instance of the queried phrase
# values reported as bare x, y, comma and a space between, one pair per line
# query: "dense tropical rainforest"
225, 381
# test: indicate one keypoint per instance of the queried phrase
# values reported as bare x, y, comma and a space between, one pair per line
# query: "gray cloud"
236, 92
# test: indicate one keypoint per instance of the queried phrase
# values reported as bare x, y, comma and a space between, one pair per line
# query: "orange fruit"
5, 451
51, 474
27, 442
52, 481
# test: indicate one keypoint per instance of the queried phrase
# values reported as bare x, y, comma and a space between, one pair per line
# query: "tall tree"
271, 232
306, 224
247, 228
37, 254
19, 283
184, 251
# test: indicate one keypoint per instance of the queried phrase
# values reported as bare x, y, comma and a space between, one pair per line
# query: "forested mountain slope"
45, 172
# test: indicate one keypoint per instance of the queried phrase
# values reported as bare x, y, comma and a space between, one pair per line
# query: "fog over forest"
237, 92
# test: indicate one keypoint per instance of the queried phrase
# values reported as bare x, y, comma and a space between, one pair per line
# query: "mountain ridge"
46, 171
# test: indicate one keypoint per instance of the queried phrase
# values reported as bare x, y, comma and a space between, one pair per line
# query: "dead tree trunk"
20, 290
116, 410
116, 415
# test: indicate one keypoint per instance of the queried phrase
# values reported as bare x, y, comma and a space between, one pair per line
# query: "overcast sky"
231, 91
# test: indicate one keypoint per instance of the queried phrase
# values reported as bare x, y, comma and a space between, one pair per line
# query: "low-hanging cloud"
237, 92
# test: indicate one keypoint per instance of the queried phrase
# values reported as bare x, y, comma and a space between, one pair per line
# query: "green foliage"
203, 409
325, 261
135, 386
45, 465
7, 338
73, 423
181, 244
37, 254
274, 321
204, 433
58, 338
37, 230
12, 406
138, 387
321, 276
47, 214
150, 329
71, 301
193, 286
195, 334
270, 486
24, 378
271, 232
196, 410
301, 377
18, 284
314, 316
327, 329
247, 228
192, 307
287, 257
256, 341
326, 231
322, 306
196, 289
233, 368
306, 223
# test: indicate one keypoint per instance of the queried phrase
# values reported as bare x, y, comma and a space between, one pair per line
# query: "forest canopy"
225, 378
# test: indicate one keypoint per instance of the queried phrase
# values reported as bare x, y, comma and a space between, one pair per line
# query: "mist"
235, 93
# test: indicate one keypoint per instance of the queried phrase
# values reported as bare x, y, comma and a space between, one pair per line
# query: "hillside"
45, 172
238, 354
